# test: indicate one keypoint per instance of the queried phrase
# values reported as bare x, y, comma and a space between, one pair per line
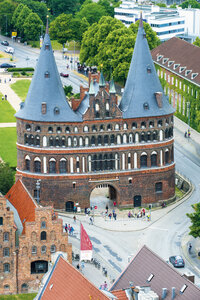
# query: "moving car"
5, 65
9, 50
177, 261
64, 74
5, 43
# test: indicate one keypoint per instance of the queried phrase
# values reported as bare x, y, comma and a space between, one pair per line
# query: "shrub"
23, 73
15, 74
20, 69
6, 177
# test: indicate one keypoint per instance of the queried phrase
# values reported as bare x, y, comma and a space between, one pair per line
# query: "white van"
10, 50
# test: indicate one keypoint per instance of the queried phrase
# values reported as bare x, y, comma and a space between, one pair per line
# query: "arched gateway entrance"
103, 195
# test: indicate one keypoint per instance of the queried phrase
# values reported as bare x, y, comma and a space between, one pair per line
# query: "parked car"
177, 261
4, 43
64, 74
10, 50
5, 65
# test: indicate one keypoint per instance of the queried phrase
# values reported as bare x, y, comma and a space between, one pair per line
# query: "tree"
151, 35
60, 28
16, 13
161, 4
191, 3
32, 27
92, 12
197, 41
195, 220
78, 28
58, 7
37, 7
108, 7
7, 9
95, 36
173, 5
6, 177
21, 20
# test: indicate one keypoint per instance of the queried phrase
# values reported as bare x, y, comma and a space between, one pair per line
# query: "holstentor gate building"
128, 146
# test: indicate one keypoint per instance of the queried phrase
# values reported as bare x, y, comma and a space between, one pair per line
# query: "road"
164, 236
25, 56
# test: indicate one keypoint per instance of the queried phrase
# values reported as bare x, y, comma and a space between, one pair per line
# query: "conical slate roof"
46, 87
142, 83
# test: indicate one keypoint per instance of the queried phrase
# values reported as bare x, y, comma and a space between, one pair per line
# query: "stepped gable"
139, 98
65, 282
145, 263
179, 57
25, 205
46, 101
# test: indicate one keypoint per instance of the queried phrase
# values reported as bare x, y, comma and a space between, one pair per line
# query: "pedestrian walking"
110, 216
114, 203
105, 286
189, 247
115, 216
74, 219
82, 265
66, 227
91, 221
113, 212
71, 230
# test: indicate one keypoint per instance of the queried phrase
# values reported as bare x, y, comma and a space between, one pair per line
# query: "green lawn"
7, 111
18, 297
21, 87
8, 151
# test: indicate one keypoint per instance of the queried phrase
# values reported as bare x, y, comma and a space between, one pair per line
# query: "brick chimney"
159, 99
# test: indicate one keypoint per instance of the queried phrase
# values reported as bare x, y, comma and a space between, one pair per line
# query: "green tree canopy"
37, 7
16, 13
173, 5
32, 27
191, 3
151, 35
7, 8
195, 220
60, 28
78, 27
92, 12
6, 178
161, 4
58, 7
21, 20
108, 6
197, 41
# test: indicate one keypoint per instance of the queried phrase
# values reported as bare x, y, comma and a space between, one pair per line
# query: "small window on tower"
47, 74
146, 105
47, 47
56, 111
148, 69
44, 108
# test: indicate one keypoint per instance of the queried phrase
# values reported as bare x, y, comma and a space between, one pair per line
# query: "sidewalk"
5, 89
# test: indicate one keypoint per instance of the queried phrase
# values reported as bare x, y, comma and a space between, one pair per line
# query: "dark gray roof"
142, 85
85, 102
145, 263
48, 90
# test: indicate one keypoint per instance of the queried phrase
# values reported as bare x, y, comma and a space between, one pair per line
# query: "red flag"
85, 240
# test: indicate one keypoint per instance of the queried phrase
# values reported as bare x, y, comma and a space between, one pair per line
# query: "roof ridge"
28, 193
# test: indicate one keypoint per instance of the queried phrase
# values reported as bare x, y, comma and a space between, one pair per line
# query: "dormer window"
59, 130
56, 111
50, 129
146, 105
37, 129
176, 66
194, 75
28, 127
148, 69
159, 57
47, 74
181, 69
170, 63
47, 47
187, 72
67, 130
165, 60
44, 108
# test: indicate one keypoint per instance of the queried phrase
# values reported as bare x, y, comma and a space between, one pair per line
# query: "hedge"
20, 69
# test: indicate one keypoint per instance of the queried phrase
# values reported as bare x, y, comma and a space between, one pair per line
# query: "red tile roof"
25, 205
146, 263
67, 283
179, 52
121, 295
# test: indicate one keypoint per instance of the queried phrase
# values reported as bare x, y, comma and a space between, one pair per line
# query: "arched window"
130, 138
43, 249
31, 140
143, 125
37, 165
67, 129
124, 138
107, 109
112, 139
167, 122
109, 127
6, 287
52, 165
43, 223
1, 220
43, 236
94, 128
93, 141
158, 187
143, 160
27, 163
75, 141
63, 165
50, 129
6, 268
86, 141
105, 139
97, 108
134, 125
51, 141
125, 126
160, 123
28, 127
151, 124
6, 252
166, 133
154, 159
63, 141
69, 141
166, 156
75, 129
24, 288
38, 129
59, 129
118, 139
85, 129
53, 248
148, 136
142, 137
155, 136
57, 141
101, 128
99, 140
80, 141
37, 140
34, 250
26, 139
116, 126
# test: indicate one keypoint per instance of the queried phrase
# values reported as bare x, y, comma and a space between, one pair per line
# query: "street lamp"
38, 190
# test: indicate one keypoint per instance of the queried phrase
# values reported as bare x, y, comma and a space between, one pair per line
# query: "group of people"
69, 229
111, 214
104, 286
187, 134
